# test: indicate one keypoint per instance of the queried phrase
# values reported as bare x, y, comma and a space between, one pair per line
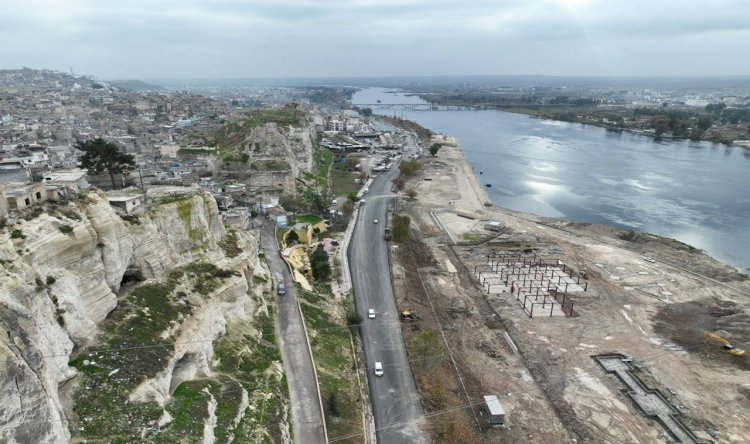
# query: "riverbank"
552, 390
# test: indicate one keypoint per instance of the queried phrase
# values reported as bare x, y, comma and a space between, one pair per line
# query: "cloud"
238, 38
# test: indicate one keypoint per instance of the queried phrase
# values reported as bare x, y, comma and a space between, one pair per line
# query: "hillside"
123, 328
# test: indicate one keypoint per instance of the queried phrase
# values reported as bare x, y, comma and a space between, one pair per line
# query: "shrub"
51, 280
17, 234
66, 229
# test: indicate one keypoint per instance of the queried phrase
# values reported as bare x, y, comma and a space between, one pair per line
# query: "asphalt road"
394, 397
307, 418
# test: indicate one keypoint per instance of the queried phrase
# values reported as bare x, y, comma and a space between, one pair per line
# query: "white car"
378, 369
371, 313
375, 221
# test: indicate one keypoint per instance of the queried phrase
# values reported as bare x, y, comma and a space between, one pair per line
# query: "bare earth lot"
552, 389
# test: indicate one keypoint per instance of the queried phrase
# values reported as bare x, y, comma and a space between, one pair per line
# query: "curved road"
394, 397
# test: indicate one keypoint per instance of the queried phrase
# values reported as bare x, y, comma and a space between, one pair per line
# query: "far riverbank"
695, 192
474, 198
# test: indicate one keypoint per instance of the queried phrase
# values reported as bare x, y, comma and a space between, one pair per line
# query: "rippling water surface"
696, 192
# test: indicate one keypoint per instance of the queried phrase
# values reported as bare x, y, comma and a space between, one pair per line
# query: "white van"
378, 369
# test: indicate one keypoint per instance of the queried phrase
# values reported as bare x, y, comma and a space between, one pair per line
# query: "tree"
412, 193
292, 238
347, 208
321, 266
435, 148
100, 155
367, 112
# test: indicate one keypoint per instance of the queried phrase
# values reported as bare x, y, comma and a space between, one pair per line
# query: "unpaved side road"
307, 418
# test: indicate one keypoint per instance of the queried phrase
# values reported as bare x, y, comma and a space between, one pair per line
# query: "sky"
174, 39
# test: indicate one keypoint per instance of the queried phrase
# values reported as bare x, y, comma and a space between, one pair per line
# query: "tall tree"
99, 155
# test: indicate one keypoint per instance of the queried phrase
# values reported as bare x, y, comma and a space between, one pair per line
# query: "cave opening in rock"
131, 276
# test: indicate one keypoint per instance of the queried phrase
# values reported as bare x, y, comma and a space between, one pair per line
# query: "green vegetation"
408, 167
17, 234
270, 165
133, 350
66, 229
400, 229
230, 137
229, 244
323, 160
100, 155
434, 148
195, 152
342, 180
250, 357
331, 348
206, 277
320, 263
50, 280
109, 377
308, 218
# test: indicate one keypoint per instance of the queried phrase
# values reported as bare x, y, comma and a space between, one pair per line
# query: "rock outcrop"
66, 284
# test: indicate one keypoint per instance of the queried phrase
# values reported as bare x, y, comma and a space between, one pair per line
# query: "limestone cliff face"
61, 275
272, 155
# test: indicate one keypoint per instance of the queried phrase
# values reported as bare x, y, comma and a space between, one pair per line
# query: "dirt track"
552, 390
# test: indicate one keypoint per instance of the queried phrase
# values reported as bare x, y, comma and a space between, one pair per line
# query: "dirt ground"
656, 312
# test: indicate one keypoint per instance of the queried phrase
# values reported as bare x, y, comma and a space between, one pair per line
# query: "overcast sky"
147, 39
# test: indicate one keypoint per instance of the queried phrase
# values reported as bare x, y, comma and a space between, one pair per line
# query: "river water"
695, 192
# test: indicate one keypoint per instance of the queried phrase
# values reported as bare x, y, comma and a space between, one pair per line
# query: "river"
695, 192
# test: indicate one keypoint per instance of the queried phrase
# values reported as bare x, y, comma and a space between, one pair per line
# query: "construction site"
584, 333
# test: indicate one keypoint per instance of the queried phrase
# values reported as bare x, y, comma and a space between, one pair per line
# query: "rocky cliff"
267, 149
123, 328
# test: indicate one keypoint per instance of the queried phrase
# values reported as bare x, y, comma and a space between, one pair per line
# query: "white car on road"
375, 221
371, 313
378, 369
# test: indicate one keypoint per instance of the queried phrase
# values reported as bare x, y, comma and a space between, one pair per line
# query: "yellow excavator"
728, 347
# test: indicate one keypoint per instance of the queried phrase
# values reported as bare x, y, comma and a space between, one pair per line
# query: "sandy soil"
552, 390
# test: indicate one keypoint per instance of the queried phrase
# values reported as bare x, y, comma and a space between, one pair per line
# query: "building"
495, 411
14, 171
75, 180
131, 200
494, 225
21, 196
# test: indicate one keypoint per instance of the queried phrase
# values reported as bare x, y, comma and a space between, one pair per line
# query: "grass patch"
323, 159
229, 244
331, 349
107, 378
308, 218
343, 181
250, 359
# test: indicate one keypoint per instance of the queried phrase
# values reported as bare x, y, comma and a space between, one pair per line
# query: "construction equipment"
728, 347
408, 315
